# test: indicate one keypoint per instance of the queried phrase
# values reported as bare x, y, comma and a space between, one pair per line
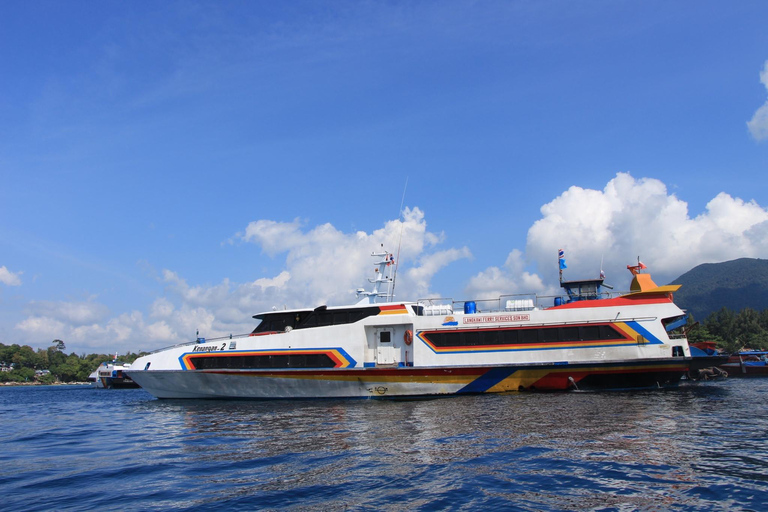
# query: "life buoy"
408, 337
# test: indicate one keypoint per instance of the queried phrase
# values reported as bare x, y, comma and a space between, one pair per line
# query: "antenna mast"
400, 242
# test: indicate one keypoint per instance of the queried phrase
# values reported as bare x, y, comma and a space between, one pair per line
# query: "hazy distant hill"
736, 285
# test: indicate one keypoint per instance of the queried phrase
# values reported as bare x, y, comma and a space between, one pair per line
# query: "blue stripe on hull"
487, 380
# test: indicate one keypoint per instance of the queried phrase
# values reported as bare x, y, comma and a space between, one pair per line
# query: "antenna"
400, 242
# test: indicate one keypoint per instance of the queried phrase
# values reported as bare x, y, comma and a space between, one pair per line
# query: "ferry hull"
117, 383
406, 382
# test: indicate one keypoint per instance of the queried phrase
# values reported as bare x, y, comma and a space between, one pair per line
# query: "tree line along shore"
23, 365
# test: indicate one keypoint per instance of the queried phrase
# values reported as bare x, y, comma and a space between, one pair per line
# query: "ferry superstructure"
380, 348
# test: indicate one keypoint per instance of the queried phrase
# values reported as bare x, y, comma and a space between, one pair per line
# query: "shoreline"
44, 384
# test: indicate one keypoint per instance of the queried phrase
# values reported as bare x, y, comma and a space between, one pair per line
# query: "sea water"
698, 447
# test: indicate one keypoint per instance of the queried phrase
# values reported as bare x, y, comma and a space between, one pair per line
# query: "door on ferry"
385, 350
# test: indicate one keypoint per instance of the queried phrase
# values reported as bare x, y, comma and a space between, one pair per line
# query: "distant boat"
377, 348
111, 375
94, 380
750, 363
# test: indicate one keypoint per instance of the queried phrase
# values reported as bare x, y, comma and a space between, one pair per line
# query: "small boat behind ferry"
747, 363
380, 348
112, 375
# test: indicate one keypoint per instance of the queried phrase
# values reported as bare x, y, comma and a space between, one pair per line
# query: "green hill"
735, 285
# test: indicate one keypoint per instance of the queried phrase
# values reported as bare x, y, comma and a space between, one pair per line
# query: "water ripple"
696, 448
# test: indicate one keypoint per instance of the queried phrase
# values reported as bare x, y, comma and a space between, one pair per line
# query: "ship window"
509, 337
310, 321
324, 318
529, 335
569, 334
320, 318
521, 336
471, 338
549, 335
609, 333
590, 332
490, 338
385, 337
278, 322
247, 362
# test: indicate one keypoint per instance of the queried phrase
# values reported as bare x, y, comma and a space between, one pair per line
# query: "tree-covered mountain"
735, 285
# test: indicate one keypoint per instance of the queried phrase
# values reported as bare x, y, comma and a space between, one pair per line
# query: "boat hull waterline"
410, 382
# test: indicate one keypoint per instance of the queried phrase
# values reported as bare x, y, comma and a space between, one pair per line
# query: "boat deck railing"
435, 306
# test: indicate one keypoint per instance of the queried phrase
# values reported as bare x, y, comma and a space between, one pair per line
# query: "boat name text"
496, 318
208, 348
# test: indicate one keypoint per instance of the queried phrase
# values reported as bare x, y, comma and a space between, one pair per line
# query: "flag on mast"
561, 259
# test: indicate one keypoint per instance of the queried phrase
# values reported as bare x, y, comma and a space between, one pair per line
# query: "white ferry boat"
380, 348
112, 375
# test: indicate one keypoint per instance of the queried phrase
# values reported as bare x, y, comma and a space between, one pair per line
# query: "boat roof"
264, 314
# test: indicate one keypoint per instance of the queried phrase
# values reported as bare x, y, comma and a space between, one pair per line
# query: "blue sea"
698, 447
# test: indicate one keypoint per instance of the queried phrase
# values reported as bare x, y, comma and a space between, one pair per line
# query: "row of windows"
242, 362
317, 318
522, 336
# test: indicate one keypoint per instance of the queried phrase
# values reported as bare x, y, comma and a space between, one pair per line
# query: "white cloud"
72, 313
325, 265
758, 125
9, 278
421, 276
628, 218
161, 308
510, 279
44, 327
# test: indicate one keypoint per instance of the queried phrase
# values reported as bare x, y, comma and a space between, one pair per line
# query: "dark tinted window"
569, 334
590, 332
460, 338
551, 334
245, 362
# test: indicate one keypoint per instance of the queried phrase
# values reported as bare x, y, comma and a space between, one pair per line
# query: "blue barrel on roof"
470, 307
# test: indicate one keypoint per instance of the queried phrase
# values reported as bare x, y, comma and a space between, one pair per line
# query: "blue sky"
173, 166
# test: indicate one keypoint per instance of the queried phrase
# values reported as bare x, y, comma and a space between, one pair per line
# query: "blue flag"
562, 264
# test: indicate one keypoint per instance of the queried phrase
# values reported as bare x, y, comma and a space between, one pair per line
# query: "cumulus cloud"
758, 125
9, 278
628, 218
72, 313
509, 279
325, 265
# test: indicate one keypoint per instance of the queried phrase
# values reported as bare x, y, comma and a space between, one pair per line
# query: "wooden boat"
749, 363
